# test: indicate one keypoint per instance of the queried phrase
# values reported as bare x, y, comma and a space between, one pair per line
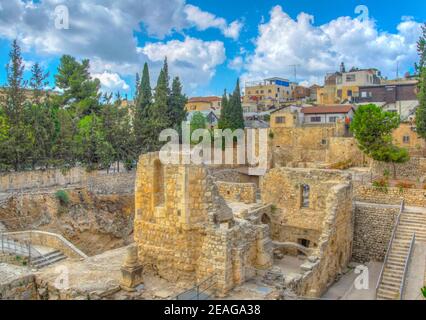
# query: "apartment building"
270, 92
396, 96
204, 104
343, 86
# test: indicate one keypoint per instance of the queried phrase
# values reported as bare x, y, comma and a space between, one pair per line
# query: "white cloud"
111, 82
194, 60
204, 20
236, 64
283, 41
104, 32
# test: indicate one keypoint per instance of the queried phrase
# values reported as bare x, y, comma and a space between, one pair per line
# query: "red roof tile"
344, 108
204, 99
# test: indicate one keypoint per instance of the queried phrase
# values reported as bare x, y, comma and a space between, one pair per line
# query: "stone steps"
413, 220
48, 259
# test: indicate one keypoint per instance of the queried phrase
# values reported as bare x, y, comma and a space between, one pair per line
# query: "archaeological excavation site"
306, 228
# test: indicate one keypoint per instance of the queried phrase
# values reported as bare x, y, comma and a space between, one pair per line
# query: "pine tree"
37, 82
17, 149
81, 92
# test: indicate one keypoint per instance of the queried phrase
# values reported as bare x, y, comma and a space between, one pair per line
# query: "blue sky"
209, 43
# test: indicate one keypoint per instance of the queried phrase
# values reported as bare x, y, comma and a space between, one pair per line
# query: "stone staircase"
48, 259
412, 220
38, 260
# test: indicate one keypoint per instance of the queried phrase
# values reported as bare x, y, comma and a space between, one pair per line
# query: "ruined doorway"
305, 243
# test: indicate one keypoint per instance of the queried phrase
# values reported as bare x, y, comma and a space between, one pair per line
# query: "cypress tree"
177, 105
421, 69
141, 113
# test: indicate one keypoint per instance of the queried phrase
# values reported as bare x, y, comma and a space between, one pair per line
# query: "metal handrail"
407, 261
20, 248
197, 290
390, 246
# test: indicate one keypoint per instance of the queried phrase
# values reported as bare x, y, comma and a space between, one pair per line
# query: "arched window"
158, 186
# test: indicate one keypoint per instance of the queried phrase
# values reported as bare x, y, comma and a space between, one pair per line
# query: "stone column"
131, 271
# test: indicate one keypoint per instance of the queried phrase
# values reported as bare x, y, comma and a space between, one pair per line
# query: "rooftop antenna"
397, 70
295, 66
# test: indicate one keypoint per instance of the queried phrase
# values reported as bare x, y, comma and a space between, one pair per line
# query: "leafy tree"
198, 121
81, 92
64, 149
92, 148
118, 132
372, 127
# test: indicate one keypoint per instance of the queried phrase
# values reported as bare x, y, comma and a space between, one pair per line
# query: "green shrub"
63, 197
424, 292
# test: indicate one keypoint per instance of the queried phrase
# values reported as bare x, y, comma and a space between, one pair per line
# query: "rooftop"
204, 99
341, 108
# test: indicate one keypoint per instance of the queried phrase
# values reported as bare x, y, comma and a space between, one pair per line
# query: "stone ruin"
186, 231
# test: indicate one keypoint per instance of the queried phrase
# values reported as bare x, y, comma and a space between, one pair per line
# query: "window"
350, 78
278, 89
323, 141
364, 94
249, 92
332, 119
261, 91
349, 93
269, 91
406, 139
315, 119
280, 120
305, 192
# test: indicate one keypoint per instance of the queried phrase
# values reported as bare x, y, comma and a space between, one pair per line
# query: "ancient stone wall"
237, 192
115, 183
414, 169
373, 230
390, 195
315, 207
335, 245
185, 231
341, 150
97, 182
18, 181
313, 144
